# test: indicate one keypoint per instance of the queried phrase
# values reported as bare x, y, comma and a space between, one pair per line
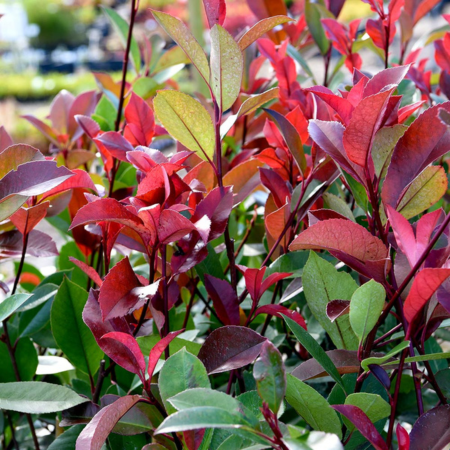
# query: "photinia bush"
279, 278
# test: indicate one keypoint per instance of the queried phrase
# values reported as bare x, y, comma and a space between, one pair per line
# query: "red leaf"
279, 310
272, 279
98, 429
365, 122
253, 281
402, 438
59, 111
140, 122
115, 144
81, 179
404, 234
88, 270
47, 131
108, 210
276, 185
341, 105
83, 105
230, 347
393, 75
25, 219
224, 298
217, 208
415, 150
215, 11
406, 111
349, 242
119, 283
89, 126
131, 357
173, 226
363, 424
158, 350
424, 286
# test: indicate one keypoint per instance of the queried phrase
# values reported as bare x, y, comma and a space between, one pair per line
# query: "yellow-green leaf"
261, 28
227, 65
424, 191
187, 121
180, 33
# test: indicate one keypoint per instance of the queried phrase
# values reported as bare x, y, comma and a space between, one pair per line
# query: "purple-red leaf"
403, 440
80, 179
337, 308
118, 284
97, 431
229, 348
173, 226
414, 151
432, 430
115, 144
131, 357
365, 122
358, 418
349, 242
25, 219
88, 270
224, 299
279, 310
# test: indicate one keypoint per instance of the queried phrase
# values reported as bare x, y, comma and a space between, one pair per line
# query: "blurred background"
49, 45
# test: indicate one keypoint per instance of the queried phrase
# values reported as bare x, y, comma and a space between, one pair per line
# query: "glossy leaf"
270, 376
431, 430
415, 150
227, 65
187, 121
37, 397
371, 404
312, 406
322, 284
158, 350
71, 334
363, 424
98, 429
365, 363
180, 372
312, 15
366, 305
230, 348
425, 284
224, 299
315, 350
349, 242
10, 304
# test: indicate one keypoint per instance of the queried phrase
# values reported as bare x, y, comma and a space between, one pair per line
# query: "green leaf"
11, 304
315, 350
40, 295
312, 16
179, 32
187, 121
312, 406
34, 320
322, 283
294, 53
293, 262
383, 146
372, 404
180, 372
227, 65
146, 87
381, 359
366, 306
122, 28
270, 376
105, 114
67, 440
337, 204
200, 417
424, 191
211, 265
358, 192
432, 357
70, 332
26, 358
36, 397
